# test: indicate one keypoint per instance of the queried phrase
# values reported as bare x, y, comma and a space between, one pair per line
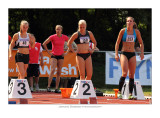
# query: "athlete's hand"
42, 63
91, 50
50, 54
10, 57
117, 58
142, 56
64, 54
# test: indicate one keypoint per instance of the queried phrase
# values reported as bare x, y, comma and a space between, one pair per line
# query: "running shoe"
31, 88
132, 97
37, 87
48, 89
57, 91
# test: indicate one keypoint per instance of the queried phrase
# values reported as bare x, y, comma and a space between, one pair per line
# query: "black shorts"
33, 70
84, 56
22, 58
128, 54
57, 57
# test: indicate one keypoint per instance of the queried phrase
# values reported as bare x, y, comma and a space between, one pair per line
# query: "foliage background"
104, 23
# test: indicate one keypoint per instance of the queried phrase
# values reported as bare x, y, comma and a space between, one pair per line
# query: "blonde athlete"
128, 36
83, 58
22, 40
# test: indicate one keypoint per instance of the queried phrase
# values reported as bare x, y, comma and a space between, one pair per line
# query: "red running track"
56, 98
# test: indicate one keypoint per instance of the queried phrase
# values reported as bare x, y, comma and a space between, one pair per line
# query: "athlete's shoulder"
15, 36
122, 31
137, 30
52, 36
75, 34
64, 35
89, 32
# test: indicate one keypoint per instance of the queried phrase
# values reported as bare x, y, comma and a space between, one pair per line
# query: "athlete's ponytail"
135, 25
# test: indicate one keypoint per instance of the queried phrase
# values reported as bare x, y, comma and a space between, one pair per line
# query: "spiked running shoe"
48, 89
132, 97
119, 96
57, 91
37, 87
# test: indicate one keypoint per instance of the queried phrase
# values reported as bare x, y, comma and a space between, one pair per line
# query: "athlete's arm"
41, 54
117, 44
93, 39
141, 43
12, 44
73, 37
45, 45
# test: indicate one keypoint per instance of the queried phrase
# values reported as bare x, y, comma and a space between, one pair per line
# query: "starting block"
137, 91
23, 101
83, 89
92, 100
83, 101
19, 88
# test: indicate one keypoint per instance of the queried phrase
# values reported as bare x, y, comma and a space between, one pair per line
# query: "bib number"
84, 39
24, 43
130, 38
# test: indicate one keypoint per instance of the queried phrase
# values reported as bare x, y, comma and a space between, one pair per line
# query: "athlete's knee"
21, 75
124, 74
52, 71
58, 73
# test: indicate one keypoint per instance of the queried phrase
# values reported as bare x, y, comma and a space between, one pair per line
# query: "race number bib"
130, 38
24, 43
85, 39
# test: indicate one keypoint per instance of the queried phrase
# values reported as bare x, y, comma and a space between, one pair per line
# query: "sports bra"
82, 39
22, 42
129, 38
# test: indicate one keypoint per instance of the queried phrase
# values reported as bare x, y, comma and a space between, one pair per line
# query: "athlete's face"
130, 22
82, 27
58, 30
24, 27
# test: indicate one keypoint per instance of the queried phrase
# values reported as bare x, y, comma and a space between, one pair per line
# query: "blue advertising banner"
143, 71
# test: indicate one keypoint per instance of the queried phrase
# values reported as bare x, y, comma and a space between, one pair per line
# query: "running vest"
129, 38
34, 53
22, 42
82, 39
